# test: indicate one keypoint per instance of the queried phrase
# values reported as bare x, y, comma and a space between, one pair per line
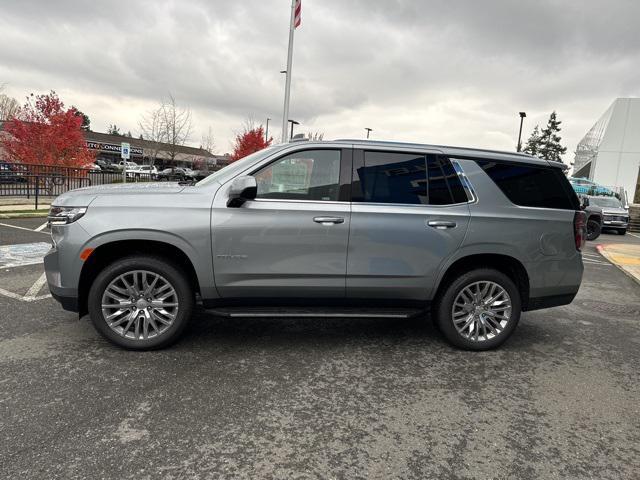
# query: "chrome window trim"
472, 197
291, 200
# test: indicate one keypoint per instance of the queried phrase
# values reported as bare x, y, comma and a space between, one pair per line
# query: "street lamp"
292, 122
266, 132
368, 130
519, 147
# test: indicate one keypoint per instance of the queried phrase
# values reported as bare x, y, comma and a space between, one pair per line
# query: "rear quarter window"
532, 186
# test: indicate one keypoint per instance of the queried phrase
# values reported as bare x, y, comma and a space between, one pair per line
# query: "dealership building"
144, 152
609, 154
107, 147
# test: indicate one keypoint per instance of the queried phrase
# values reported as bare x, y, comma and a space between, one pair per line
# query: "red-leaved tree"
46, 133
249, 141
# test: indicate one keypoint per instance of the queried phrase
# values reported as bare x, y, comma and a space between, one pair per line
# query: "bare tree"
177, 125
153, 132
9, 106
167, 127
207, 141
316, 137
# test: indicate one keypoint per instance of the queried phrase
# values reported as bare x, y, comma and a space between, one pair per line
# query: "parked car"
150, 170
614, 215
201, 174
176, 174
594, 217
475, 237
127, 165
12, 173
107, 166
587, 187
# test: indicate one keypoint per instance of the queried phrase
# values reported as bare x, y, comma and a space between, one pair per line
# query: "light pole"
368, 130
266, 132
519, 147
292, 122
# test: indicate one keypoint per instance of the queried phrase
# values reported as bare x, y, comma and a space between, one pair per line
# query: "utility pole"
368, 130
287, 85
266, 132
519, 147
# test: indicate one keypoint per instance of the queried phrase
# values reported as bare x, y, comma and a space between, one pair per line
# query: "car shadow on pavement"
207, 329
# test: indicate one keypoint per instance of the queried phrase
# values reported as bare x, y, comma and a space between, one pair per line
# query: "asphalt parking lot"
334, 398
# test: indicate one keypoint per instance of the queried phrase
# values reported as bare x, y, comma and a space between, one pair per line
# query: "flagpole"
287, 85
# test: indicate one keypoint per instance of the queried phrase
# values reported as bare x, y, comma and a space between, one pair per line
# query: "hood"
614, 211
82, 197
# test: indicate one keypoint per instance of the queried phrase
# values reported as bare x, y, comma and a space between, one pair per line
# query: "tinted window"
306, 175
445, 187
389, 177
530, 186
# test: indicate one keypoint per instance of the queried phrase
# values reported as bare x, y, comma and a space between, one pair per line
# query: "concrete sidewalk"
625, 256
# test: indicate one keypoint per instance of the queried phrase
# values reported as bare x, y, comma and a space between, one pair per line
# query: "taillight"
580, 229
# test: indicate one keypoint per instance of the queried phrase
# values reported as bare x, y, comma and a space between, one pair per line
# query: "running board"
322, 312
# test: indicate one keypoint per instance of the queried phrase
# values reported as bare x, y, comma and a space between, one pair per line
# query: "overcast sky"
447, 72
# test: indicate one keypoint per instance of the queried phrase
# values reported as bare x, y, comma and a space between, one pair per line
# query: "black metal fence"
38, 181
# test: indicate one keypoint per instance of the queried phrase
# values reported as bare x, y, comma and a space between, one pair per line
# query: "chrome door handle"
328, 220
441, 224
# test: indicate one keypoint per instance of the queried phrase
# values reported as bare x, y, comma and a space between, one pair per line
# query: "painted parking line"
41, 227
32, 293
633, 234
23, 254
23, 228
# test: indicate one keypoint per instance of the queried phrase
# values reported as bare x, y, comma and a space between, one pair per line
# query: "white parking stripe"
22, 228
633, 234
36, 287
41, 227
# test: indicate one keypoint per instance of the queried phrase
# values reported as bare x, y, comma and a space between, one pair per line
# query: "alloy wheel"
139, 304
481, 311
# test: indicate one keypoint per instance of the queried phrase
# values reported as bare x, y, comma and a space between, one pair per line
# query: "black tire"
173, 274
622, 231
594, 228
444, 306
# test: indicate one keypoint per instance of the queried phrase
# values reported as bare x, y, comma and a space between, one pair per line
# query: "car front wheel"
479, 310
593, 229
141, 302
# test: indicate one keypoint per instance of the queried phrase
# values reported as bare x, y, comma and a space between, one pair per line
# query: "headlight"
65, 215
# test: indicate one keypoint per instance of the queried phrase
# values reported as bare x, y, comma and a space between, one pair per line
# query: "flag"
297, 18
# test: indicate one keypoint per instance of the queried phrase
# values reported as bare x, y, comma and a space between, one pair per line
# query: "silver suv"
343, 228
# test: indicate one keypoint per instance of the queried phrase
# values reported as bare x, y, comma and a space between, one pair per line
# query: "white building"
609, 154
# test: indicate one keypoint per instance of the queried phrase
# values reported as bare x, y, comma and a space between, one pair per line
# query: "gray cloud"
437, 71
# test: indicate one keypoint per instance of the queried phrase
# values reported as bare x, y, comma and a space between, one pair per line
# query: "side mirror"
242, 189
584, 202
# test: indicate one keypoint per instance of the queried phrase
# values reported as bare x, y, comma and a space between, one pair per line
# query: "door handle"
328, 220
441, 224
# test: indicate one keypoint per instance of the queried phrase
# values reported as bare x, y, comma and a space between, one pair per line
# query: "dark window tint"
530, 186
445, 187
388, 177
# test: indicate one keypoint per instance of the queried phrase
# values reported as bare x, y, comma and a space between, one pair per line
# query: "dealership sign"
112, 147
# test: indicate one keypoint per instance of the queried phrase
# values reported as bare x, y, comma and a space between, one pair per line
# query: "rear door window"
405, 178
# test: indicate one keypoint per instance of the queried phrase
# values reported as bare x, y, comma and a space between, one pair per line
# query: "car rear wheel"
141, 302
593, 229
479, 310
622, 231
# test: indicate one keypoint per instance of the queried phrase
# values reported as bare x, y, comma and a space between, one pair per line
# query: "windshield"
238, 165
605, 202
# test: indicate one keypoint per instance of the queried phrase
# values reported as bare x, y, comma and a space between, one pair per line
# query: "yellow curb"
624, 260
